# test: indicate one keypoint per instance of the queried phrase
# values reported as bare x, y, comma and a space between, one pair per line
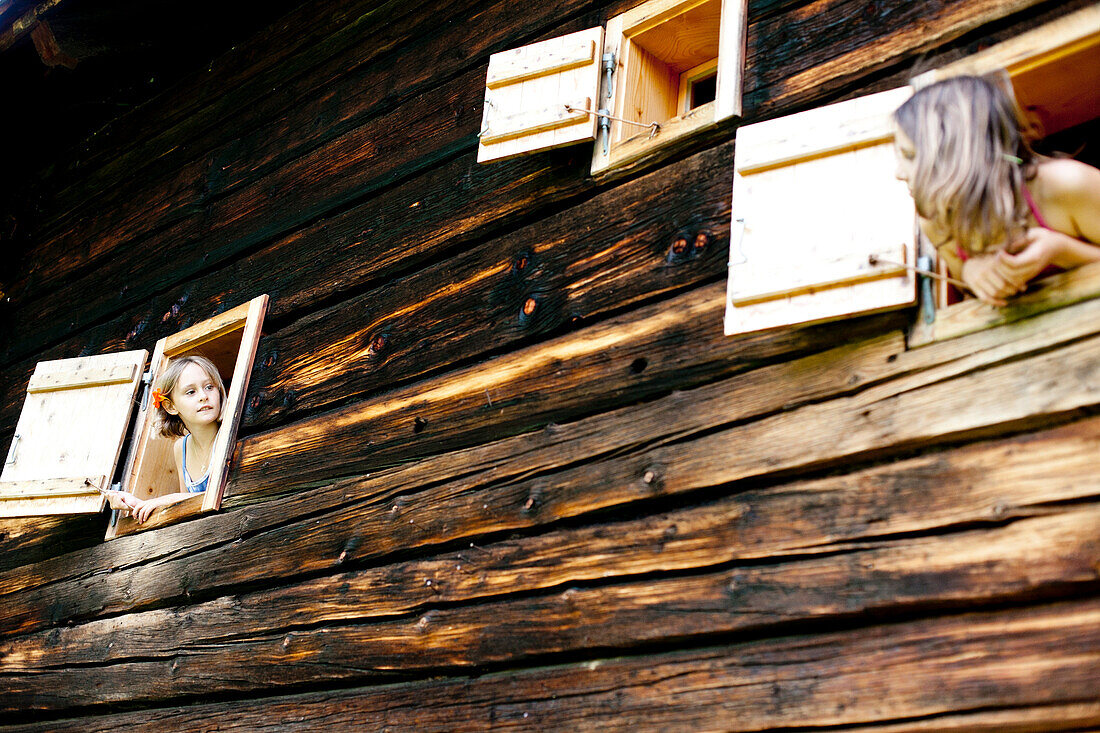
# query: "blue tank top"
193, 487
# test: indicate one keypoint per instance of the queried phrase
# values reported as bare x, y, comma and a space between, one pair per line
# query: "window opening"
1053, 73
701, 90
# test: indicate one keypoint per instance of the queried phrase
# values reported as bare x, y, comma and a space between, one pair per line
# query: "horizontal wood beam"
1019, 658
488, 490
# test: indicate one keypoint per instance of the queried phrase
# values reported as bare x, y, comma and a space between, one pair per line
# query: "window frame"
1054, 44
247, 319
618, 144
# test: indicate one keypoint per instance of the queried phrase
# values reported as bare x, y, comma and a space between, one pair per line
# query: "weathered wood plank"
302, 52
474, 709
1032, 557
611, 619
356, 92
448, 412
863, 39
607, 253
378, 516
756, 396
307, 187
788, 95
28, 540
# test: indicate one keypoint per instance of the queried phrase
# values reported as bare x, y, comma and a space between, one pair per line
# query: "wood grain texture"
421, 323
1006, 663
533, 480
342, 96
784, 94
226, 113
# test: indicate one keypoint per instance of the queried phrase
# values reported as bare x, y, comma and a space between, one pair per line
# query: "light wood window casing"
642, 70
229, 340
659, 47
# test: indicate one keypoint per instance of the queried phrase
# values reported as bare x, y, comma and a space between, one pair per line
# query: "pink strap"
1034, 209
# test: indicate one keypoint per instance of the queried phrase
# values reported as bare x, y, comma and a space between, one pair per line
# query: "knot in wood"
679, 244
271, 359
529, 306
378, 343
702, 239
649, 476
521, 263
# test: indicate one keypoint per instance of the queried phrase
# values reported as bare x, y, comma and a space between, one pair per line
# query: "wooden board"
968, 316
541, 96
814, 197
692, 610
489, 490
1054, 70
73, 423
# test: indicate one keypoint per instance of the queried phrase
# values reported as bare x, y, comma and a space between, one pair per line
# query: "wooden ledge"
1057, 291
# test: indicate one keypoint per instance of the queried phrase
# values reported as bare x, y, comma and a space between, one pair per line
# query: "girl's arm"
1073, 195
977, 271
148, 506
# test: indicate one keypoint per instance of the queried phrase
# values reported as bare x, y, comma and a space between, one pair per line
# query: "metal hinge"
605, 109
11, 450
927, 301
147, 380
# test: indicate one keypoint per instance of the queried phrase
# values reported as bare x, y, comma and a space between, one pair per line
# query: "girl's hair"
171, 426
972, 159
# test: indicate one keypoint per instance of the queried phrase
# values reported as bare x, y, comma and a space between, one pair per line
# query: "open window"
1054, 73
71, 432
821, 228
662, 71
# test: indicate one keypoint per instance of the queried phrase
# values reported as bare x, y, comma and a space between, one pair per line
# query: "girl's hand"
122, 500
981, 276
145, 509
1028, 256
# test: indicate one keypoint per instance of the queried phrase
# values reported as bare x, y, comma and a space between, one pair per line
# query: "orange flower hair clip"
159, 398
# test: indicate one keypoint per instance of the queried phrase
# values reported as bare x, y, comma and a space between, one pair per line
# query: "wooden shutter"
70, 434
530, 92
814, 195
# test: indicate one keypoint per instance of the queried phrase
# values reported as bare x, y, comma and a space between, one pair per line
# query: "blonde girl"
999, 214
188, 399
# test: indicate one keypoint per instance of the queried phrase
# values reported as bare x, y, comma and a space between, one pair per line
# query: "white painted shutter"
70, 434
540, 96
814, 195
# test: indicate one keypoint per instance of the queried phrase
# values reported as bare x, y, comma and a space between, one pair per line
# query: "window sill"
1057, 291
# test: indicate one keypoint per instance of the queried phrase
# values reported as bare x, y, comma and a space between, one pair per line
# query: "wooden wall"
451, 512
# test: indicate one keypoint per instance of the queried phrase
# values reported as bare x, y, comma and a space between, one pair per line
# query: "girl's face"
195, 398
905, 153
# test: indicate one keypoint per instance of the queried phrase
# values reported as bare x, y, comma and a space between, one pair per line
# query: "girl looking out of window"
188, 398
999, 214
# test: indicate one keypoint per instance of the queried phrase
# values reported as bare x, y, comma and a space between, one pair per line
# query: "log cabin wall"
499, 467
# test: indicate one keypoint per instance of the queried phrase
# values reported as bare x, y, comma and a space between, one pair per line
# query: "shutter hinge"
11, 450
605, 109
147, 380
927, 302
